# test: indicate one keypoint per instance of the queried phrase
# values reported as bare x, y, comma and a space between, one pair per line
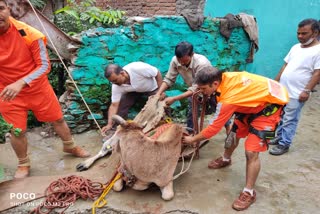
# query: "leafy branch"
85, 15
5, 128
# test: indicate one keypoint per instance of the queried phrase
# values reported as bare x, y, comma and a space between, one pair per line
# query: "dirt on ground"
287, 184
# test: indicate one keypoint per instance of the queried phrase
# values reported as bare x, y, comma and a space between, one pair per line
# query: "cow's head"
127, 125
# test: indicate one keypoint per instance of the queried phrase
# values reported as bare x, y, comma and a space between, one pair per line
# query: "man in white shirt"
129, 85
299, 74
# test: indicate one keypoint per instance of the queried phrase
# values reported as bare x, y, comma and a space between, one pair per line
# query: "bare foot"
22, 172
78, 152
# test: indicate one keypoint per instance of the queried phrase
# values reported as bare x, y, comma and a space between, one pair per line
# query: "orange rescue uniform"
23, 55
246, 93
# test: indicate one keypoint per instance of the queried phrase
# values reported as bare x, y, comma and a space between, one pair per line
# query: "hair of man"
208, 75
315, 26
183, 49
112, 68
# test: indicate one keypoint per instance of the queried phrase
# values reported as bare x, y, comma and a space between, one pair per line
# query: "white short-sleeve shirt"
142, 79
301, 63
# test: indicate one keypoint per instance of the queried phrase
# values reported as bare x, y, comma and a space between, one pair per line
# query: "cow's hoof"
167, 192
81, 167
118, 185
167, 196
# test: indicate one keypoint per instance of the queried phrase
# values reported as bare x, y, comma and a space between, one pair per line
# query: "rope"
154, 134
101, 201
65, 67
182, 167
63, 193
195, 111
197, 127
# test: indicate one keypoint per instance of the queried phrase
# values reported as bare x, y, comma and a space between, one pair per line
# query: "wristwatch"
308, 91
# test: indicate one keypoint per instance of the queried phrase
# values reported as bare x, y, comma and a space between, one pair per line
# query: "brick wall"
141, 7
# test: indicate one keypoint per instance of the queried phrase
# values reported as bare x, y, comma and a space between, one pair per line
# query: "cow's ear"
158, 142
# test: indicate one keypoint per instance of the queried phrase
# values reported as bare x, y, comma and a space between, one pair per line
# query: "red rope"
65, 191
154, 134
198, 126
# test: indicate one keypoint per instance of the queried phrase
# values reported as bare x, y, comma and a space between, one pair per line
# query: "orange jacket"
250, 90
246, 93
32, 34
23, 56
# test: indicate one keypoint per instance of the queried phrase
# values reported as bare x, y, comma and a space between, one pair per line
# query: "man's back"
250, 90
142, 79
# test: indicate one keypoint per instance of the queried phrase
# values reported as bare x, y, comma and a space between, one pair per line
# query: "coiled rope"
62, 193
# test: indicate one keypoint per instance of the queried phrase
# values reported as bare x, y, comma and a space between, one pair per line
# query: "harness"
128, 177
265, 135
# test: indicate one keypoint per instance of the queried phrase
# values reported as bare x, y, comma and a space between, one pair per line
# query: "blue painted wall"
277, 21
150, 40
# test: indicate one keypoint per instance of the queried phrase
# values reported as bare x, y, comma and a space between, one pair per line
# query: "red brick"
141, 7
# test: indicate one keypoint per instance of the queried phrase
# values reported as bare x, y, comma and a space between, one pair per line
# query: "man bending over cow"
257, 102
187, 64
129, 85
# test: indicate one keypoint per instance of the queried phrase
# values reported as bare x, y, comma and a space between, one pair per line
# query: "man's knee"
59, 121
20, 134
252, 156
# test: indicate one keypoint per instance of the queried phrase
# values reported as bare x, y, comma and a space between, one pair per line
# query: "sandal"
218, 163
22, 172
77, 151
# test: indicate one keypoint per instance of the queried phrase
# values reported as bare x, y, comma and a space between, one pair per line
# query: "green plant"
101, 92
85, 14
32, 120
57, 76
39, 4
5, 128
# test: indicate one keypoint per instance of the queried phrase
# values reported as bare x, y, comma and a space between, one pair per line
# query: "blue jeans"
289, 122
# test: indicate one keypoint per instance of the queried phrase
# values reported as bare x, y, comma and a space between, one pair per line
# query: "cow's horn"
119, 120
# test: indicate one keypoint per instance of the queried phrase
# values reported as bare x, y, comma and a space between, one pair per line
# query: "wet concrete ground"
287, 184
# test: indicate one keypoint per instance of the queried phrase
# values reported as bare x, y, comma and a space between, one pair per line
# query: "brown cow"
147, 155
146, 160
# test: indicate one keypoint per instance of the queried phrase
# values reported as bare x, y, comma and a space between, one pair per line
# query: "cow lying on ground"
148, 118
146, 160
147, 155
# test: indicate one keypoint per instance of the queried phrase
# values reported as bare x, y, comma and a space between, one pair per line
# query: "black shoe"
274, 141
279, 150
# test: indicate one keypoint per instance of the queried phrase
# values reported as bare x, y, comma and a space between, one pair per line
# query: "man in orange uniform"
257, 102
24, 65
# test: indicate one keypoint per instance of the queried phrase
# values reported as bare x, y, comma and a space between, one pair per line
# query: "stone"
96, 116
81, 128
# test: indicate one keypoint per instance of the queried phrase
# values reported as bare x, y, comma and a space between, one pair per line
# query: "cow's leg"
118, 185
167, 191
106, 148
140, 185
